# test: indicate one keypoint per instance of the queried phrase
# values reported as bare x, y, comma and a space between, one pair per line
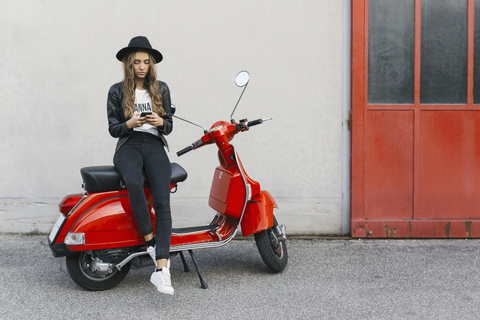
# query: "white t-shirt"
143, 103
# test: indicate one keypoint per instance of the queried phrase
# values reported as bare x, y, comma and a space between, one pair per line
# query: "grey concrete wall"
57, 62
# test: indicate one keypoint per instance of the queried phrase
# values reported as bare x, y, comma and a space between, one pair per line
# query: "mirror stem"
231, 116
205, 131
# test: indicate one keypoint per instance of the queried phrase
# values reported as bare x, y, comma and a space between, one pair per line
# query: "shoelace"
166, 279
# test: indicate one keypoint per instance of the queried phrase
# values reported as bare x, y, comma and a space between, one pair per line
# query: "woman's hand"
136, 121
155, 120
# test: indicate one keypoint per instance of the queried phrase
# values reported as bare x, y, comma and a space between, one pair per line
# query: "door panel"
449, 165
389, 164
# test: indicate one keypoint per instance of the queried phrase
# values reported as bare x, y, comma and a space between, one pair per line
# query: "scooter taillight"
67, 204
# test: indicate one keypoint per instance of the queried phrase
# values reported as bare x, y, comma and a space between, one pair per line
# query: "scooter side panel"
258, 214
107, 223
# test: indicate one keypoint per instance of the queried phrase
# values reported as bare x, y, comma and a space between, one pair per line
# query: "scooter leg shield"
258, 214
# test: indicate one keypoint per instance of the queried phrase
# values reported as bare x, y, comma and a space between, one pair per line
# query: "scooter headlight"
74, 239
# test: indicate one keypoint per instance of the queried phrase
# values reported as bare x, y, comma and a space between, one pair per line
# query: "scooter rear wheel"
85, 271
273, 252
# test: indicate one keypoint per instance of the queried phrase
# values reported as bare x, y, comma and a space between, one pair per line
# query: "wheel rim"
276, 245
85, 262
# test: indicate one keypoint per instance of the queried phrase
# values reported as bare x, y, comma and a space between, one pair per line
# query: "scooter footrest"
212, 228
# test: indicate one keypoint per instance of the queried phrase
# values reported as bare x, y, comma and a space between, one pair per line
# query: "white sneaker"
161, 279
151, 251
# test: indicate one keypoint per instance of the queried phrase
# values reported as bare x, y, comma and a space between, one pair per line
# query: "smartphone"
143, 114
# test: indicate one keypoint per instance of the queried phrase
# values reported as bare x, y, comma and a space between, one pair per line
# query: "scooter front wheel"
91, 273
272, 250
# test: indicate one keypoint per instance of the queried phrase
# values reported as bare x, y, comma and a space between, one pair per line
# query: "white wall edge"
347, 107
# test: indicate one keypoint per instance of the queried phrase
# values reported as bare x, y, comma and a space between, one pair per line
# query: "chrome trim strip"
85, 195
193, 232
242, 173
203, 245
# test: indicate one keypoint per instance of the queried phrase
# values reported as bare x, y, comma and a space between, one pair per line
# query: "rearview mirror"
242, 78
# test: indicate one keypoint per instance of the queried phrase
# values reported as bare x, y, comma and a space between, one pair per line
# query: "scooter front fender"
258, 214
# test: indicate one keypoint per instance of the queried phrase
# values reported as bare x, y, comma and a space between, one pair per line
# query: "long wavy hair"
150, 79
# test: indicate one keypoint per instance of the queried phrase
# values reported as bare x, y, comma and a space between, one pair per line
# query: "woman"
141, 145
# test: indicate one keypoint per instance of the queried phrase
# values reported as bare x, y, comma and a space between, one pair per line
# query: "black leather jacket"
116, 114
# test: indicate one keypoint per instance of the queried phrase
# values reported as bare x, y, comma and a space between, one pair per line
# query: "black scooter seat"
107, 178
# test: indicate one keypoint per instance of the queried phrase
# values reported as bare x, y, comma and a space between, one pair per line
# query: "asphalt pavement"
324, 279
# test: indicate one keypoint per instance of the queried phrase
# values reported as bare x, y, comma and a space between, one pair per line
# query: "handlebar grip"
184, 150
254, 122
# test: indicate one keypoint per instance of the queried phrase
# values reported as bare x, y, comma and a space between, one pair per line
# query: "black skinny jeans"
145, 151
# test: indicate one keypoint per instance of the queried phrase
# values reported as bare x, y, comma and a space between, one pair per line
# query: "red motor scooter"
97, 232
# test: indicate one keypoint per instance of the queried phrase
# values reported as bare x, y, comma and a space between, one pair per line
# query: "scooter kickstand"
185, 266
202, 282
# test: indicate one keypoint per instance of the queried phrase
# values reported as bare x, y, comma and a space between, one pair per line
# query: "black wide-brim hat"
139, 43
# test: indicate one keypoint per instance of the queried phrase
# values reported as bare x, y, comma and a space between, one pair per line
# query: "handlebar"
185, 150
191, 147
246, 125
238, 127
254, 122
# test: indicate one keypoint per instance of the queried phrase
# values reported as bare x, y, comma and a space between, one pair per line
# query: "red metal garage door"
416, 118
